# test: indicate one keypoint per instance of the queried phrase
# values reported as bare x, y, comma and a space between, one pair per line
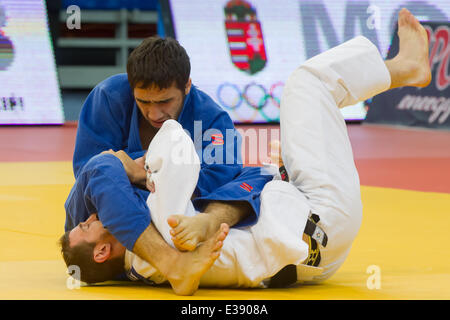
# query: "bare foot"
185, 274
410, 67
188, 232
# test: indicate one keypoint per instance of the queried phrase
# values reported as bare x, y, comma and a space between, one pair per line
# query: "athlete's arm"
134, 168
104, 120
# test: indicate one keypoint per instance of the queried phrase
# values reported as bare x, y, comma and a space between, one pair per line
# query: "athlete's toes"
411, 19
175, 232
189, 245
221, 236
223, 231
218, 246
173, 221
215, 255
178, 229
402, 17
182, 236
178, 245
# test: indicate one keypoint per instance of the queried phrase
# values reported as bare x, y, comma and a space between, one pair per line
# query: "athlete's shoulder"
114, 92
118, 82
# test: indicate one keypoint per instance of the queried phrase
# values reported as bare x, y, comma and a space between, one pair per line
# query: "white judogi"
318, 158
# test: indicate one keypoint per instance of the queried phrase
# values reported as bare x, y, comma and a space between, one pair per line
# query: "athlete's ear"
102, 251
188, 86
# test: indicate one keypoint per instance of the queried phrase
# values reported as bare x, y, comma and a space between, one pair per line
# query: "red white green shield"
245, 38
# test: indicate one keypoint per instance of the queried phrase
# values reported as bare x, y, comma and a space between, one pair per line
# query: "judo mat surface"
404, 236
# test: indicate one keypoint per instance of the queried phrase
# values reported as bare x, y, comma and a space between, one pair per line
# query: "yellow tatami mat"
404, 235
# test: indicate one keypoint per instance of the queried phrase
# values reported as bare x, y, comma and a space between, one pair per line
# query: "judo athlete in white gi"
323, 180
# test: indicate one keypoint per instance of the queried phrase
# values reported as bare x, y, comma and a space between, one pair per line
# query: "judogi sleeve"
104, 120
103, 187
246, 187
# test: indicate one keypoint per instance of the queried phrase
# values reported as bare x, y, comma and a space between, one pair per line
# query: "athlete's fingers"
150, 185
110, 151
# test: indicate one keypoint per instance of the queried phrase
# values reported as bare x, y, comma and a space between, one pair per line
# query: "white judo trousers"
315, 146
318, 158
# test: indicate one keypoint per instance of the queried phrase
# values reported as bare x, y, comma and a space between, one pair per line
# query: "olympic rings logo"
254, 95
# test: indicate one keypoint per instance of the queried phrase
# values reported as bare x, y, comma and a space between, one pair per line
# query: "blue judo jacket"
109, 119
103, 187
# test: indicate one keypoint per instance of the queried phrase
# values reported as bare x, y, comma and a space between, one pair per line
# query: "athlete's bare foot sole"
188, 232
411, 66
185, 275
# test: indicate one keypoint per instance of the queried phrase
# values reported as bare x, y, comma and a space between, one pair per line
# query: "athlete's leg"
315, 147
246, 258
174, 166
329, 83
314, 142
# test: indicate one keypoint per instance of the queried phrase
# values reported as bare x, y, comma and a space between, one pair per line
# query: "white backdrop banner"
242, 51
29, 89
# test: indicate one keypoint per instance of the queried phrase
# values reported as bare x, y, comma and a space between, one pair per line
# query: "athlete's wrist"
139, 177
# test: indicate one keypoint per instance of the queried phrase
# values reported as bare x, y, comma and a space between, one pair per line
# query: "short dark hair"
159, 61
81, 255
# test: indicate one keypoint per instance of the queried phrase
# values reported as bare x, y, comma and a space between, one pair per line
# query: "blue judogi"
109, 119
102, 186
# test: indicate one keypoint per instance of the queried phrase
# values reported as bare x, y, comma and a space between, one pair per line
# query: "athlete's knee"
300, 82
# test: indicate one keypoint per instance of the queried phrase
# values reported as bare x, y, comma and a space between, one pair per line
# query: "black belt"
314, 231
311, 228
288, 275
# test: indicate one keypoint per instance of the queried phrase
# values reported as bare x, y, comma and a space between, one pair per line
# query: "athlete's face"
158, 105
91, 231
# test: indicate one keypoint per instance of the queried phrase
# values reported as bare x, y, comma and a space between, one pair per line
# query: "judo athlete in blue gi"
125, 111
323, 181
103, 187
